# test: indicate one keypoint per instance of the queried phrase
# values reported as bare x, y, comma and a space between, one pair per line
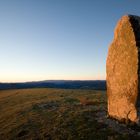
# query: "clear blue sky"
58, 39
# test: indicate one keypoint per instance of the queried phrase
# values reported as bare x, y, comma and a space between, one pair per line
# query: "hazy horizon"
51, 80
51, 39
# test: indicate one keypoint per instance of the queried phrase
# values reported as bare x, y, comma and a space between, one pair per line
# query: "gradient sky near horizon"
58, 39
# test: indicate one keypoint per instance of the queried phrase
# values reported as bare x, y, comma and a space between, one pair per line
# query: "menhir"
123, 70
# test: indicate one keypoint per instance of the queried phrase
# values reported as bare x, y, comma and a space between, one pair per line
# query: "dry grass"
52, 114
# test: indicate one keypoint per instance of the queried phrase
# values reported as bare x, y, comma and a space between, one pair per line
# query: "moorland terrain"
59, 114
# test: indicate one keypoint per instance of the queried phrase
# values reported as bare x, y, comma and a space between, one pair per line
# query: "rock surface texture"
123, 70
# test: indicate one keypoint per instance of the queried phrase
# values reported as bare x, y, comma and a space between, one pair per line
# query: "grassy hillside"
55, 114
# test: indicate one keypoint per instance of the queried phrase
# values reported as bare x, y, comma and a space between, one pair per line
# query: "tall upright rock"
123, 70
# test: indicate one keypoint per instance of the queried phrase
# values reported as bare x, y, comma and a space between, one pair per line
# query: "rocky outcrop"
123, 70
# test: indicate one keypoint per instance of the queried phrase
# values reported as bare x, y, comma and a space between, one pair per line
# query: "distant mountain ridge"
64, 84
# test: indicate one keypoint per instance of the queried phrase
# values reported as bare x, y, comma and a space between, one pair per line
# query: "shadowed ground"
59, 114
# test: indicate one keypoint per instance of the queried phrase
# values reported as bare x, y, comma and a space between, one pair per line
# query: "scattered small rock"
49, 105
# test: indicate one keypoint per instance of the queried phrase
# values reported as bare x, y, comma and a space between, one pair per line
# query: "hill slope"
57, 114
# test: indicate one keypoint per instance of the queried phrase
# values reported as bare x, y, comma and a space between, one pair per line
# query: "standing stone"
123, 70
